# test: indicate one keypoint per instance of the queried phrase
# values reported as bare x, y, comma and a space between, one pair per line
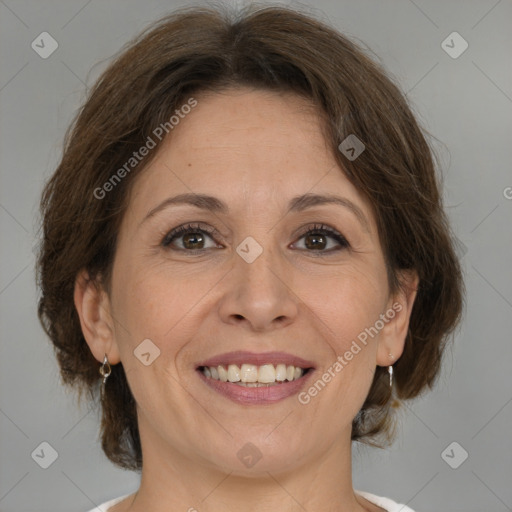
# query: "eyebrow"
296, 204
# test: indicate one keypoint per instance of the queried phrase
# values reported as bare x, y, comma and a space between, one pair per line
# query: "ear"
94, 309
396, 319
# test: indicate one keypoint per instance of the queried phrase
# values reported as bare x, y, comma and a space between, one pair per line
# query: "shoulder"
387, 504
110, 503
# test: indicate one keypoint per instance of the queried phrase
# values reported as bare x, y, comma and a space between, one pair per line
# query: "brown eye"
193, 238
316, 239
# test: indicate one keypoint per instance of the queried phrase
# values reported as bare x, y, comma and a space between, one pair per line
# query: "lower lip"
256, 396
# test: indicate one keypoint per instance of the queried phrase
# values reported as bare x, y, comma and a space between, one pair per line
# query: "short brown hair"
272, 48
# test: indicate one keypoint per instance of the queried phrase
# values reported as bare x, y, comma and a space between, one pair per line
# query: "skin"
254, 150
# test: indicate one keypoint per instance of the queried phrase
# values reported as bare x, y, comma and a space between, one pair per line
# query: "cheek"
348, 312
352, 309
346, 303
147, 299
150, 311
166, 308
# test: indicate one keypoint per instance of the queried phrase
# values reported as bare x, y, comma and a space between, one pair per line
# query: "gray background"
465, 102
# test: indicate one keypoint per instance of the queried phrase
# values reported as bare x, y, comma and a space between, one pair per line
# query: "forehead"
251, 125
250, 147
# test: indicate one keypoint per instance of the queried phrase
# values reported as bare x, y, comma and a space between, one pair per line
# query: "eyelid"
318, 227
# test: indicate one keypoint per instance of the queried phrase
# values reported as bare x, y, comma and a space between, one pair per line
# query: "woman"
246, 257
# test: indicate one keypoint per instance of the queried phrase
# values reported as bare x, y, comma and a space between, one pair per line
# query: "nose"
259, 294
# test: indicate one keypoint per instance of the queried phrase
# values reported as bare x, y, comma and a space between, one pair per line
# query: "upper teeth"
265, 374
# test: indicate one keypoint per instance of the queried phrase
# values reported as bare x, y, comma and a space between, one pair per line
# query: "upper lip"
240, 357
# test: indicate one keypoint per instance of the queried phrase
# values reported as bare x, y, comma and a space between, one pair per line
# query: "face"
265, 273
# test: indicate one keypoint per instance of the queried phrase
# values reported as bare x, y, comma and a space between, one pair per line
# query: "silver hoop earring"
105, 371
390, 371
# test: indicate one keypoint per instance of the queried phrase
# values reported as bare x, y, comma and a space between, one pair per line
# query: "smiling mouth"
254, 376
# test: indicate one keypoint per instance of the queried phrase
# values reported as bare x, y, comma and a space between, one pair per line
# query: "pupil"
315, 239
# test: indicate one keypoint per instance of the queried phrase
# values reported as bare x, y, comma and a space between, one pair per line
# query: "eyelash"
212, 232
